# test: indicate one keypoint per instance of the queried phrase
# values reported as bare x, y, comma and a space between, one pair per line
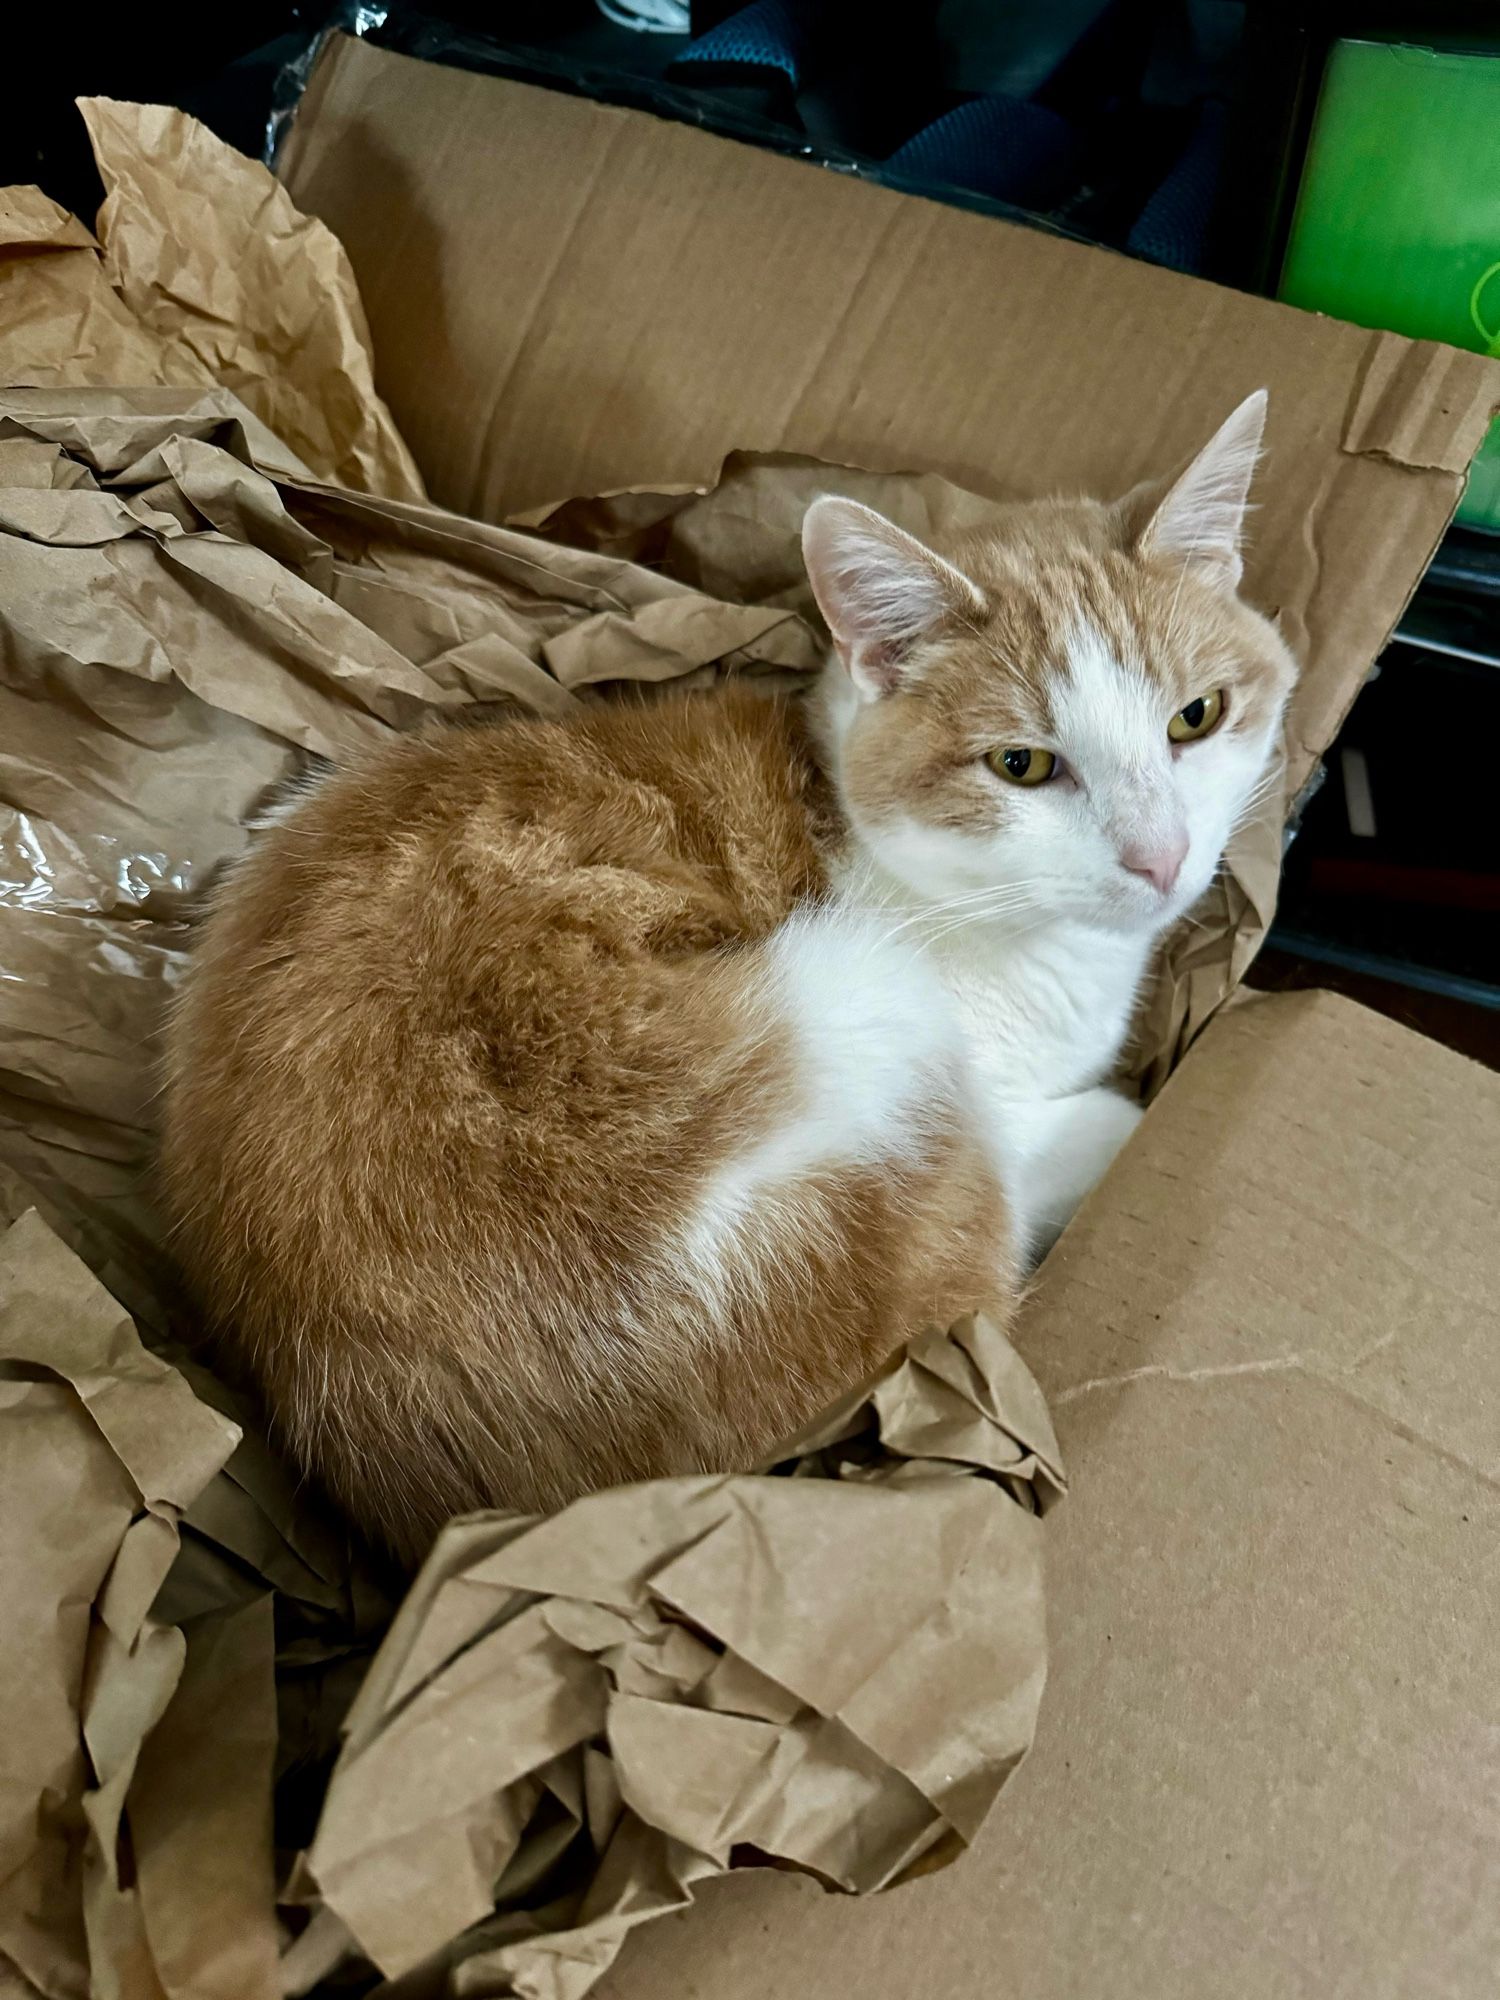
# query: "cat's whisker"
1268, 788
977, 912
944, 905
962, 922
941, 931
971, 900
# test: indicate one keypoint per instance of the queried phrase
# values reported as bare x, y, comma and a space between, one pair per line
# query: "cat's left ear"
880, 590
1201, 517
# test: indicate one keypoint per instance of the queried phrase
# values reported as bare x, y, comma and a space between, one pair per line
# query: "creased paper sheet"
182, 633
183, 1628
112, 1715
741, 539
572, 1720
833, 1668
204, 275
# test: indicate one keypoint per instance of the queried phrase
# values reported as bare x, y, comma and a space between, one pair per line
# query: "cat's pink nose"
1159, 861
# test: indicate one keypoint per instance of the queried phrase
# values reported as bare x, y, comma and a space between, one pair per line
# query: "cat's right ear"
879, 589
1200, 519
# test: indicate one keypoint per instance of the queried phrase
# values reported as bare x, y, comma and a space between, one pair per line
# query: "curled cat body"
559, 1103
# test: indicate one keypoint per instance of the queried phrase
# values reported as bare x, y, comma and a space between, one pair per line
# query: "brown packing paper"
835, 1670
57, 308
241, 620
105, 1447
204, 275
173, 1732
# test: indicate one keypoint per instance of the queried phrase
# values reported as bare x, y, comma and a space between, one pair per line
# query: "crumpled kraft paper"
182, 633
112, 1715
176, 1637
204, 274
834, 1668
741, 539
572, 1720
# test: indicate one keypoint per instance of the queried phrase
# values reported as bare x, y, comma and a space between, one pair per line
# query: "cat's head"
1071, 707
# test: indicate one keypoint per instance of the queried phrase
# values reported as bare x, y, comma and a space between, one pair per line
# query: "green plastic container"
1398, 214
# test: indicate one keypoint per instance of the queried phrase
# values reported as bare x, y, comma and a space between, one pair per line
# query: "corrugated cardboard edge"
1419, 404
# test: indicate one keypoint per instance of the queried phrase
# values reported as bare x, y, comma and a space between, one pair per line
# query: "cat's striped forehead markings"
1107, 709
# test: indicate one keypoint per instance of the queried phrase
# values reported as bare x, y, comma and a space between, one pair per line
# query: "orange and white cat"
560, 1103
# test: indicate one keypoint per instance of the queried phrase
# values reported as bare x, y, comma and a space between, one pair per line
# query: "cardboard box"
1266, 1764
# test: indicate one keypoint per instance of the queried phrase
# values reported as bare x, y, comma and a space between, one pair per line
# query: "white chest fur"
1045, 1006
1044, 1010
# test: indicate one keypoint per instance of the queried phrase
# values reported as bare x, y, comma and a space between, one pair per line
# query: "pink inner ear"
1202, 516
879, 662
879, 588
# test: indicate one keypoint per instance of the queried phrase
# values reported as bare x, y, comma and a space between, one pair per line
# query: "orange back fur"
461, 1045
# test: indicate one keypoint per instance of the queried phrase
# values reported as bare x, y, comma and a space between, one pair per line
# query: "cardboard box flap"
568, 298
1406, 402
1267, 1765
1367, 1156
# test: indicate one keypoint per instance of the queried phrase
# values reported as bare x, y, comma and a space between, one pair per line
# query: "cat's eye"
1023, 767
1200, 718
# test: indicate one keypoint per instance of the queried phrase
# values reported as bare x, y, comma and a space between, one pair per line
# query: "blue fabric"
1004, 147
771, 34
1173, 227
